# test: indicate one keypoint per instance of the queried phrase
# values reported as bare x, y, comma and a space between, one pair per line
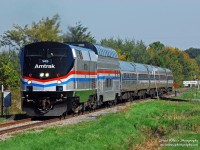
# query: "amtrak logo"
45, 66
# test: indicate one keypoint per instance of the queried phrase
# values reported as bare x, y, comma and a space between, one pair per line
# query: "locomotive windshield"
56, 53
55, 60
49, 53
35, 53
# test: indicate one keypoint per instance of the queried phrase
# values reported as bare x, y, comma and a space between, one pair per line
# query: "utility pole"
2, 100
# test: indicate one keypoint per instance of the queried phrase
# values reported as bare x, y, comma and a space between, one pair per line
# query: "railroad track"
173, 99
21, 125
2, 125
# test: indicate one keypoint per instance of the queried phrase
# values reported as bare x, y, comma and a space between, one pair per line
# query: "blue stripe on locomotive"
70, 80
65, 82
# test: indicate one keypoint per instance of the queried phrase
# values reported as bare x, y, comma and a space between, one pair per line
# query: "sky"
174, 23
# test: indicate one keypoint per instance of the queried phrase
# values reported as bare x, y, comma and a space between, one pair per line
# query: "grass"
2, 119
140, 125
183, 141
194, 94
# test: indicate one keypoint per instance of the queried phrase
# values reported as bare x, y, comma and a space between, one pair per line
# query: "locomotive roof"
80, 48
98, 49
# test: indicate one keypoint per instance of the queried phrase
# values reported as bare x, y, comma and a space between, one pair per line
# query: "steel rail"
7, 124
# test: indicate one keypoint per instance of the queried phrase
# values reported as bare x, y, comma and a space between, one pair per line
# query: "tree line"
48, 29
194, 53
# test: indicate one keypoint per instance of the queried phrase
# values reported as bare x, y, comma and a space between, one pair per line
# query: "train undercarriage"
61, 103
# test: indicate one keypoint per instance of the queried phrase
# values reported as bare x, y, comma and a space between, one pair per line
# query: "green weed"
141, 125
194, 94
2, 119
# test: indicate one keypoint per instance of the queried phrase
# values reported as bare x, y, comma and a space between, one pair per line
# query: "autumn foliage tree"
182, 66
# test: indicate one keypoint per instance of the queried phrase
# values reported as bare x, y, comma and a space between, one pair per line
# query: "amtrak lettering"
45, 66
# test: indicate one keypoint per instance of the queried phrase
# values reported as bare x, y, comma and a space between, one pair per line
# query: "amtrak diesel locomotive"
57, 78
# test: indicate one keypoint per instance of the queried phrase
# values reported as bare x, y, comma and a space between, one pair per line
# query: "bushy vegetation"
194, 53
194, 94
9, 68
133, 128
16, 103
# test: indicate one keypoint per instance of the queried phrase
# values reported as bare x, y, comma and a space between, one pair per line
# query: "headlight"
29, 81
46, 74
59, 81
42, 74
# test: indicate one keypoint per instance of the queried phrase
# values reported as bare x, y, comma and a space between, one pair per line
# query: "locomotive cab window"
49, 53
56, 53
35, 53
